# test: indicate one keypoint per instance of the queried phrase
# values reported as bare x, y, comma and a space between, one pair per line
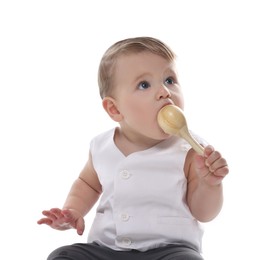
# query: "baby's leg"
81, 251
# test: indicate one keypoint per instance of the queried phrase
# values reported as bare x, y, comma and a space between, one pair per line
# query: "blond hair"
123, 47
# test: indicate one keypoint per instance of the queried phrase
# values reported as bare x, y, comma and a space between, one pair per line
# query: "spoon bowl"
172, 121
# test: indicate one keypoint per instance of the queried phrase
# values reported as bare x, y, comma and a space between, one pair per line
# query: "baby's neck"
129, 144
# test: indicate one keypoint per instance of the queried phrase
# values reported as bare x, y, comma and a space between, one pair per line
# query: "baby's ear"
110, 106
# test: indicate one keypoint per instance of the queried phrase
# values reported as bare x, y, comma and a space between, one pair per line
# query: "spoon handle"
191, 140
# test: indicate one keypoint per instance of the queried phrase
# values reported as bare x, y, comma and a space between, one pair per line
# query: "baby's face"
144, 83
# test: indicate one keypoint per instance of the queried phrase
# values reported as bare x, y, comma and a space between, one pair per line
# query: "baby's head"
125, 47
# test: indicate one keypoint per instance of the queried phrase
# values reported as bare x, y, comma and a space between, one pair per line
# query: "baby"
154, 189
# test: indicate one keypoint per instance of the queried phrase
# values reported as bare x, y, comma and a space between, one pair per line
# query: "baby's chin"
155, 133
162, 136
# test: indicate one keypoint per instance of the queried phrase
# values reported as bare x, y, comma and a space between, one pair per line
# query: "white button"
125, 217
126, 241
125, 174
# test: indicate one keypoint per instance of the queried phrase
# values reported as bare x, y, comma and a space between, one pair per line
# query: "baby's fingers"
57, 213
46, 221
221, 172
217, 164
80, 226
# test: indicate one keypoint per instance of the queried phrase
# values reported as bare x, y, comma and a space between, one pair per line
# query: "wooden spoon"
172, 121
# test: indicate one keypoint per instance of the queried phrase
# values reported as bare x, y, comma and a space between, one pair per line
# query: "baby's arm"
83, 194
204, 190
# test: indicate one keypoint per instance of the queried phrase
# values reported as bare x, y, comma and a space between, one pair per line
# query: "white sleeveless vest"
143, 201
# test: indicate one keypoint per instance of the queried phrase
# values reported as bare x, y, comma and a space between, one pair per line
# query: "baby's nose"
163, 92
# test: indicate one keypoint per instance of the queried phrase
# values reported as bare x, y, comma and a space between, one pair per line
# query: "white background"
50, 107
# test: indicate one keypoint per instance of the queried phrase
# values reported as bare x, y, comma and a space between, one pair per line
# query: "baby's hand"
63, 219
211, 168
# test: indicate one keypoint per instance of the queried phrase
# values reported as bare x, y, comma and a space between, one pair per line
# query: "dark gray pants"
95, 252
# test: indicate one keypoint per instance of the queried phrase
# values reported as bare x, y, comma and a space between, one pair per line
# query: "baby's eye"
143, 85
169, 81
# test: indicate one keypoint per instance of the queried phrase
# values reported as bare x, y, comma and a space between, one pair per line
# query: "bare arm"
85, 191
205, 189
83, 194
